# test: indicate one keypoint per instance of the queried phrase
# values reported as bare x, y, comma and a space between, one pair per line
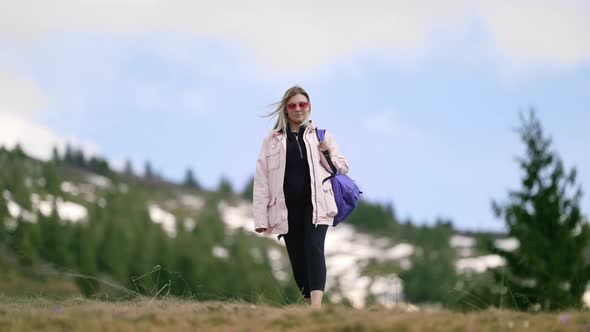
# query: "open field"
78, 314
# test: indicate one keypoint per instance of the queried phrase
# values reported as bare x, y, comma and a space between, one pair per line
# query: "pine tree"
55, 157
16, 184
55, 242
3, 216
190, 181
69, 155
52, 181
26, 241
548, 269
128, 170
78, 158
432, 276
85, 250
113, 257
248, 192
148, 172
18, 151
225, 188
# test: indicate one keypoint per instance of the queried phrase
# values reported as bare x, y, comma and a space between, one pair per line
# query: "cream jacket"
270, 210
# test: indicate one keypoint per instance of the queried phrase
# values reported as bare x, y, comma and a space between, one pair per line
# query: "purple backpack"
346, 192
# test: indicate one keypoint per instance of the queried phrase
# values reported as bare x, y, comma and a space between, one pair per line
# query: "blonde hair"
281, 110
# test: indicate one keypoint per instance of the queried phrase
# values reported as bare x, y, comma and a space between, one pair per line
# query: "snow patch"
347, 250
43, 206
70, 188
461, 241
220, 252
479, 264
79, 189
401, 250
240, 216
189, 224
13, 209
277, 264
166, 219
16, 211
70, 211
508, 244
99, 181
586, 298
192, 201
387, 290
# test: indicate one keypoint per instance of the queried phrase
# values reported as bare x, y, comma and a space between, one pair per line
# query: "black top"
297, 183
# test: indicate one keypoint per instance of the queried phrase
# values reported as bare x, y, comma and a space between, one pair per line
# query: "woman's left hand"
324, 147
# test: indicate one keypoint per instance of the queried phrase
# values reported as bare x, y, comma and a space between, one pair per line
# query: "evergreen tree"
18, 151
85, 249
144, 251
3, 216
52, 181
548, 268
210, 225
55, 242
431, 277
225, 189
99, 166
248, 192
190, 181
55, 157
148, 172
78, 158
26, 241
374, 218
113, 257
15, 184
69, 154
128, 170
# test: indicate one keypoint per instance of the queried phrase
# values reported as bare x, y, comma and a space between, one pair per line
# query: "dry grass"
78, 314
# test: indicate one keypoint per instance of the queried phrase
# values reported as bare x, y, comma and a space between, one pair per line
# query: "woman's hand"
260, 230
324, 147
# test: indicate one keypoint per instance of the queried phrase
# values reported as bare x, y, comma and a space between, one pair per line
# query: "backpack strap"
321, 133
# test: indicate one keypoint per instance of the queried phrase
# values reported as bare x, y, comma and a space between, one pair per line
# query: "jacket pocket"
272, 212
273, 160
330, 201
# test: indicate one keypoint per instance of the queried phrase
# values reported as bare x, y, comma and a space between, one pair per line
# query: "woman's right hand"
260, 230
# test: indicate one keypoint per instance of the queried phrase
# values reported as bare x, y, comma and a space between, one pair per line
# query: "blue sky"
421, 98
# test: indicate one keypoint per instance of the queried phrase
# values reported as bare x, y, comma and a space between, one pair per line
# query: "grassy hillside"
17, 280
132, 236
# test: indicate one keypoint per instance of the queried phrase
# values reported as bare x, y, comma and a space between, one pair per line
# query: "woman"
290, 197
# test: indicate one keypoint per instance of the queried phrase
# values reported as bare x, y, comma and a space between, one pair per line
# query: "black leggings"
305, 246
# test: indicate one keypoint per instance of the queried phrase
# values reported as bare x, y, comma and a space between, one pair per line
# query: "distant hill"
75, 221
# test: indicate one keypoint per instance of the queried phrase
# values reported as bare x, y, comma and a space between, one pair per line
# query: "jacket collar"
309, 127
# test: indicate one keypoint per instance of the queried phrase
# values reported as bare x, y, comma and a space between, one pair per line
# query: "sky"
422, 97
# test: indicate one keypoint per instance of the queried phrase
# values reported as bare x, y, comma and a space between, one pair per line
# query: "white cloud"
21, 100
304, 35
539, 33
17, 93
